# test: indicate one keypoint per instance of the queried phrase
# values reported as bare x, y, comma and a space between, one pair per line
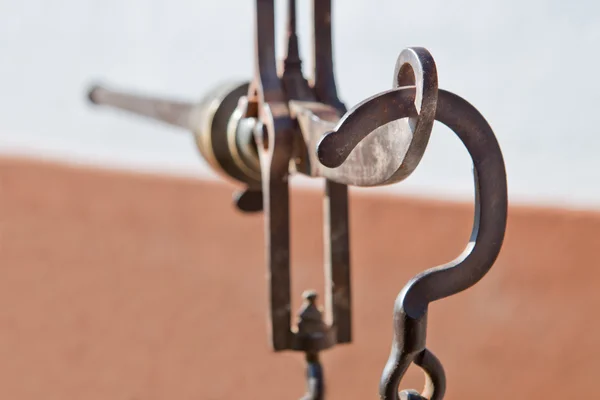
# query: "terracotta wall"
125, 287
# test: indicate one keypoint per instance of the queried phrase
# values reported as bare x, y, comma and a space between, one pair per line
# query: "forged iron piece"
225, 140
410, 310
280, 148
280, 123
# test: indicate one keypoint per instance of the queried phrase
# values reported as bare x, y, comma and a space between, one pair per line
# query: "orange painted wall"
130, 287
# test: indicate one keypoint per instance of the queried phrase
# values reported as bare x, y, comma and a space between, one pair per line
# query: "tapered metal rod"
315, 382
172, 112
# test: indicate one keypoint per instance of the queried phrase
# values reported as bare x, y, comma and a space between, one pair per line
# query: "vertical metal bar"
323, 75
269, 85
336, 234
275, 148
337, 259
277, 219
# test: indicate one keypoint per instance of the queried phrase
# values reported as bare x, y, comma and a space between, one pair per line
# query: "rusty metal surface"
281, 123
225, 140
281, 149
410, 312
267, 102
393, 151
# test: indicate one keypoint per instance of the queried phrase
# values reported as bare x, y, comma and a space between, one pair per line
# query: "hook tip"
328, 151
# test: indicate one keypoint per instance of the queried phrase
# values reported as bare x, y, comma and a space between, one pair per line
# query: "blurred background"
105, 275
526, 65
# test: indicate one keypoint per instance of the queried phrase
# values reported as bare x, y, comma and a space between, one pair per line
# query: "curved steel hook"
491, 203
415, 68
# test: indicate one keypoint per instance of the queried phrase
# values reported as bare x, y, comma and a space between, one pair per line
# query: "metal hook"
415, 68
410, 310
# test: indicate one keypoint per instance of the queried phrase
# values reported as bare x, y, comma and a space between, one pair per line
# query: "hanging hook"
415, 69
491, 203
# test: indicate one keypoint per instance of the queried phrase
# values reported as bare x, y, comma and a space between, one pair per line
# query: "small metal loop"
415, 67
435, 376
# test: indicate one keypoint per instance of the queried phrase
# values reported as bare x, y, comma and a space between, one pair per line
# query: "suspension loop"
435, 378
409, 348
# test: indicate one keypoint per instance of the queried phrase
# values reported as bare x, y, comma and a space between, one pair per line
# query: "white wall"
529, 66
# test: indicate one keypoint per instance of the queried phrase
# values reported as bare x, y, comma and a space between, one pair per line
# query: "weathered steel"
410, 312
224, 139
280, 123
